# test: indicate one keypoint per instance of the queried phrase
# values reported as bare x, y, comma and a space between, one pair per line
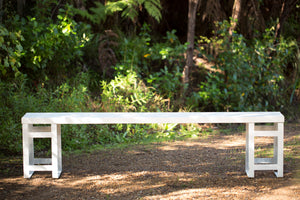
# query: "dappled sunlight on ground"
204, 168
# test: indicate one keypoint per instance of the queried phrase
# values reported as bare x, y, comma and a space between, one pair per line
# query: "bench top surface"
150, 117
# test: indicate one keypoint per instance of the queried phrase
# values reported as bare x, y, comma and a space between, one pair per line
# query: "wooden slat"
42, 161
40, 167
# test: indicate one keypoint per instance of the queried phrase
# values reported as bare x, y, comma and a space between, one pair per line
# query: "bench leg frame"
54, 164
31, 164
276, 163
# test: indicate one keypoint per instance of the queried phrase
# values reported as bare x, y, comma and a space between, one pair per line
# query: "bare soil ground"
204, 168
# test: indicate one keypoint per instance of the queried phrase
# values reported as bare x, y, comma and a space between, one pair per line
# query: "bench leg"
278, 150
56, 150
275, 163
31, 164
28, 151
250, 150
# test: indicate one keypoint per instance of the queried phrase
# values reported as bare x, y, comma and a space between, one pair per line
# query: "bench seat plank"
151, 117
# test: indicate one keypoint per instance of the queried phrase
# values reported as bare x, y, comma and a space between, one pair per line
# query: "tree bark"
286, 9
20, 6
1, 5
261, 25
236, 15
190, 39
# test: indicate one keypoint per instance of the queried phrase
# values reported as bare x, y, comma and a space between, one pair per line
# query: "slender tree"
286, 9
1, 5
236, 15
193, 4
20, 6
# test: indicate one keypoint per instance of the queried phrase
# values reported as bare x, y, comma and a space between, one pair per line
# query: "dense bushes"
249, 75
155, 62
17, 99
11, 51
129, 94
124, 93
42, 50
45, 66
38, 60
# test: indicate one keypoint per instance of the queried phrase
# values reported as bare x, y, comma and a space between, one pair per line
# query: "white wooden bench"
34, 127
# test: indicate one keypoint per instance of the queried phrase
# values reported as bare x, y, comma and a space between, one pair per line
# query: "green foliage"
124, 93
130, 8
136, 73
43, 49
45, 9
128, 93
161, 81
55, 46
132, 53
47, 41
248, 76
157, 62
11, 51
153, 7
16, 100
169, 56
171, 51
97, 14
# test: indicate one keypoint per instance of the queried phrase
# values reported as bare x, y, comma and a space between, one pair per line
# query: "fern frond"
99, 13
117, 6
129, 8
157, 3
130, 12
153, 7
97, 16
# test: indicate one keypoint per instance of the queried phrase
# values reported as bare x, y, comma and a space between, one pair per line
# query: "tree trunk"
190, 39
260, 21
286, 9
236, 15
235, 18
20, 6
1, 5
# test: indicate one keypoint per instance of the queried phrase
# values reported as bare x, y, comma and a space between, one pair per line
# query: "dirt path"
206, 168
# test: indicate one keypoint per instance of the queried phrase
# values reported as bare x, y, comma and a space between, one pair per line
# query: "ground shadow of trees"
143, 171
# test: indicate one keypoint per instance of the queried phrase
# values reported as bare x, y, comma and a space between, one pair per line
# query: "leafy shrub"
124, 93
166, 83
11, 51
132, 54
169, 58
129, 10
128, 93
157, 63
46, 49
171, 52
249, 75
15, 101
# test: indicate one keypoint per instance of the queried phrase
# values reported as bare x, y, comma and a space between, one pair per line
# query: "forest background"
133, 56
